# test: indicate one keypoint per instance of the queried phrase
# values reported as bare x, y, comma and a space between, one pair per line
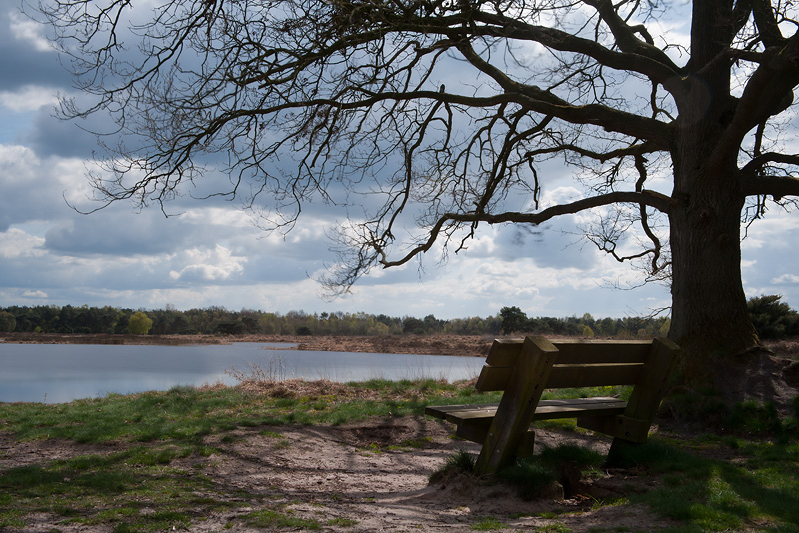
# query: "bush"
414, 326
773, 319
7, 322
754, 418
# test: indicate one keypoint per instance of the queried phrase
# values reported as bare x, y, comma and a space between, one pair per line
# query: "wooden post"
645, 398
517, 406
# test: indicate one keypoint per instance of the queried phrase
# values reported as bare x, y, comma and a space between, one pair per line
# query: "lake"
57, 373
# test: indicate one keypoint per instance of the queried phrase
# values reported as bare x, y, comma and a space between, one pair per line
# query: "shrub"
304, 331
773, 319
7, 322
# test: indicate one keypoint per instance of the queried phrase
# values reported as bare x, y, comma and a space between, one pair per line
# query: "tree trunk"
709, 314
721, 354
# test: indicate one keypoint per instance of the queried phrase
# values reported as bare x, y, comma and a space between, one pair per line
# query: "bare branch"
444, 223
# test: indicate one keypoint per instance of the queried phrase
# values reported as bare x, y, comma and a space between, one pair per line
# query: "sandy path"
367, 473
371, 476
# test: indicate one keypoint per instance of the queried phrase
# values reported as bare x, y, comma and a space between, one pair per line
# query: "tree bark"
709, 314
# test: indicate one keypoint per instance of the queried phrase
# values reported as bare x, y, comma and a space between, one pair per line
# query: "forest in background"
773, 318
221, 321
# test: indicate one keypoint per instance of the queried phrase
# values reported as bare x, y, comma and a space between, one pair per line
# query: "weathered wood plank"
464, 415
504, 352
517, 406
469, 415
572, 408
593, 375
441, 411
584, 351
651, 384
493, 378
575, 351
474, 433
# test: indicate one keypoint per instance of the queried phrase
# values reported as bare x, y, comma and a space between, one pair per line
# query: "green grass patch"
461, 462
185, 414
713, 495
271, 519
131, 490
488, 523
342, 522
751, 418
139, 489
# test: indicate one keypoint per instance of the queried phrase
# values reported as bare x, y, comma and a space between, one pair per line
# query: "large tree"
452, 113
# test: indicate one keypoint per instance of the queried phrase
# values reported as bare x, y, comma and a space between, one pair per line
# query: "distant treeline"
773, 319
220, 321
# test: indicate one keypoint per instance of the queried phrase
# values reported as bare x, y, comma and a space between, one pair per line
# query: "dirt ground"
367, 475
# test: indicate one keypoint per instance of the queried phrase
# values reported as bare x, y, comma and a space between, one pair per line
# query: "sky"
211, 254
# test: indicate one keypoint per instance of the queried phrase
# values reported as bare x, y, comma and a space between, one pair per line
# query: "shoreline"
435, 344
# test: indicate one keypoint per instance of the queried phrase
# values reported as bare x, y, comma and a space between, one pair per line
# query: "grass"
751, 418
119, 489
488, 523
186, 415
710, 494
146, 470
272, 519
537, 476
142, 487
461, 462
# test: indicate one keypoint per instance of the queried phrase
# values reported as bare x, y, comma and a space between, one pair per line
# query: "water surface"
56, 373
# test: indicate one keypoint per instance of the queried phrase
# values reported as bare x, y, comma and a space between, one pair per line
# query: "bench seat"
478, 414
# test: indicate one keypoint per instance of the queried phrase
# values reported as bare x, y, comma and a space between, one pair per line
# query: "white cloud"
212, 254
28, 98
16, 243
218, 216
786, 279
209, 265
561, 195
29, 31
37, 295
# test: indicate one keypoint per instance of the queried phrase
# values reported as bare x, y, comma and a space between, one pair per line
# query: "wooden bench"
524, 368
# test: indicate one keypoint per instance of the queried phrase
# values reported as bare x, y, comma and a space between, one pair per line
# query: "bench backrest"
578, 363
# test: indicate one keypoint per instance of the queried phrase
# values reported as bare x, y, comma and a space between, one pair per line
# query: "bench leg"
526, 444
619, 452
517, 406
